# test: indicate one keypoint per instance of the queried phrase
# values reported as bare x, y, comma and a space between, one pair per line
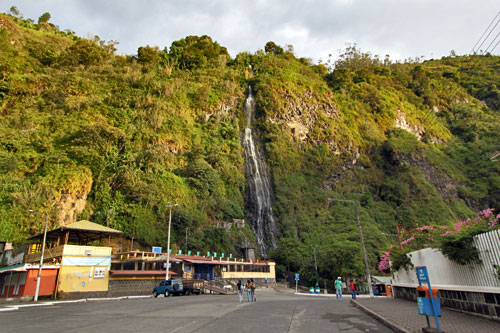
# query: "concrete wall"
13, 256
128, 287
470, 288
447, 273
84, 269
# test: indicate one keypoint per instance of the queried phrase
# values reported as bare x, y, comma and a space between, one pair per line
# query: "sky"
402, 29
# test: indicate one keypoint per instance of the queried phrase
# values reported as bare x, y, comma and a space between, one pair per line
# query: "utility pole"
169, 205
315, 265
35, 299
367, 268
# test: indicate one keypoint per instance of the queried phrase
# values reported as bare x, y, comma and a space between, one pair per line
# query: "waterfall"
259, 196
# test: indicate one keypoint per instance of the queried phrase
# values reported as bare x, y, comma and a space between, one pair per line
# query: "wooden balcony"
33, 257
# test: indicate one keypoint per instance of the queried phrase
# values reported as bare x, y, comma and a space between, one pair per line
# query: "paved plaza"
273, 312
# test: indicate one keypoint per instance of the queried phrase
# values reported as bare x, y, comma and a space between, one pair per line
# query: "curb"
315, 295
18, 306
383, 320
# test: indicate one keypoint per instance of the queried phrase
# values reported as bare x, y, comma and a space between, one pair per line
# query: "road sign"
297, 276
423, 277
422, 274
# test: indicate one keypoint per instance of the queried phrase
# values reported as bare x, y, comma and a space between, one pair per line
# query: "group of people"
249, 286
338, 288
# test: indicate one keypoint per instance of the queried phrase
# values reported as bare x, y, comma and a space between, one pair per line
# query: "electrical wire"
498, 21
494, 47
486, 50
474, 47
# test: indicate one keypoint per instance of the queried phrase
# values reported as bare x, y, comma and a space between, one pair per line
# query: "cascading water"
259, 196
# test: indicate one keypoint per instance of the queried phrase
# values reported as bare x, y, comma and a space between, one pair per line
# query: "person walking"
241, 288
338, 288
352, 288
252, 286
248, 287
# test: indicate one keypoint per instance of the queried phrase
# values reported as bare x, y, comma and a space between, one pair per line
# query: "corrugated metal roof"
90, 226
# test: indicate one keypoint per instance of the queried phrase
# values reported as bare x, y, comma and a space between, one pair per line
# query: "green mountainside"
87, 134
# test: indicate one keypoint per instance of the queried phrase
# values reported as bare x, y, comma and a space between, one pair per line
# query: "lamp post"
169, 205
37, 289
368, 276
315, 265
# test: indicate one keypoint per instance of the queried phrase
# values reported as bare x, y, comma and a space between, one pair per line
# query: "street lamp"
169, 205
315, 265
368, 276
35, 299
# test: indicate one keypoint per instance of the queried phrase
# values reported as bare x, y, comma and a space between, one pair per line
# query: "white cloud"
316, 28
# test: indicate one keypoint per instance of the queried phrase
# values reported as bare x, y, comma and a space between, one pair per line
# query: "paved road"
273, 312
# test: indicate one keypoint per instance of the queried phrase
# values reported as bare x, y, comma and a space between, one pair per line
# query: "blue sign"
420, 303
297, 276
156, 249
428, 306
422, 275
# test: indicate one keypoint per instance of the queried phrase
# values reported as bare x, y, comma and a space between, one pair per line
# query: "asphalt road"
273, 312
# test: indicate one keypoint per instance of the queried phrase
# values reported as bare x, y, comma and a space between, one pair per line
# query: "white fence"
445, 273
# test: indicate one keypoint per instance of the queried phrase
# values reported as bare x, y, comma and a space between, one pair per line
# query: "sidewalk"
402, 316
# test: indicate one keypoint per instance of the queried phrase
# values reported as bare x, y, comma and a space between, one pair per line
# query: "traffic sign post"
427, 305
297, 276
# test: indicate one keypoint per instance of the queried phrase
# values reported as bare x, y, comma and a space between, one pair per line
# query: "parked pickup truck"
178, 287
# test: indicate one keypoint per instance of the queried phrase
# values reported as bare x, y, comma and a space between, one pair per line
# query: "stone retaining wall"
132, 287
482, 303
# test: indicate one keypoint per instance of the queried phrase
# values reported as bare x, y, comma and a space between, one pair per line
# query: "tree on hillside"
272, 47
44, 18
15, 12
148, 54
196, 52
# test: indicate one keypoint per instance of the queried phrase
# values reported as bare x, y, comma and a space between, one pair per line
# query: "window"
129, 266
99, 272
116, 266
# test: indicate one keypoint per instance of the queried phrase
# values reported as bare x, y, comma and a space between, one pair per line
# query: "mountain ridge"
126, 134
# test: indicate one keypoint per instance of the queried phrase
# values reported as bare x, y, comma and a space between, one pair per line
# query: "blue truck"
178, 287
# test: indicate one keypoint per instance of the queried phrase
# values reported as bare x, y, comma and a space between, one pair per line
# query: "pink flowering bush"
455, 242
384, 264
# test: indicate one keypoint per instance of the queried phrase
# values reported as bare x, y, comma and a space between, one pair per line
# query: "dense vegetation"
132, 133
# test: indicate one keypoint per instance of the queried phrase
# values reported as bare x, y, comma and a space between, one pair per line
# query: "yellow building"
76, 249
84, 269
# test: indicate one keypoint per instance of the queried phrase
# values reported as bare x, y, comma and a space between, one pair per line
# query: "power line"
491, 30
486, 50
494, 47
484, 32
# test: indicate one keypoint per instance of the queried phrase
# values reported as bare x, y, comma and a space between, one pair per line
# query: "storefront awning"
13, 268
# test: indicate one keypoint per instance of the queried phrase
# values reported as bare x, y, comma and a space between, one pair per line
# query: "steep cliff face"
69, 206
303, 112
